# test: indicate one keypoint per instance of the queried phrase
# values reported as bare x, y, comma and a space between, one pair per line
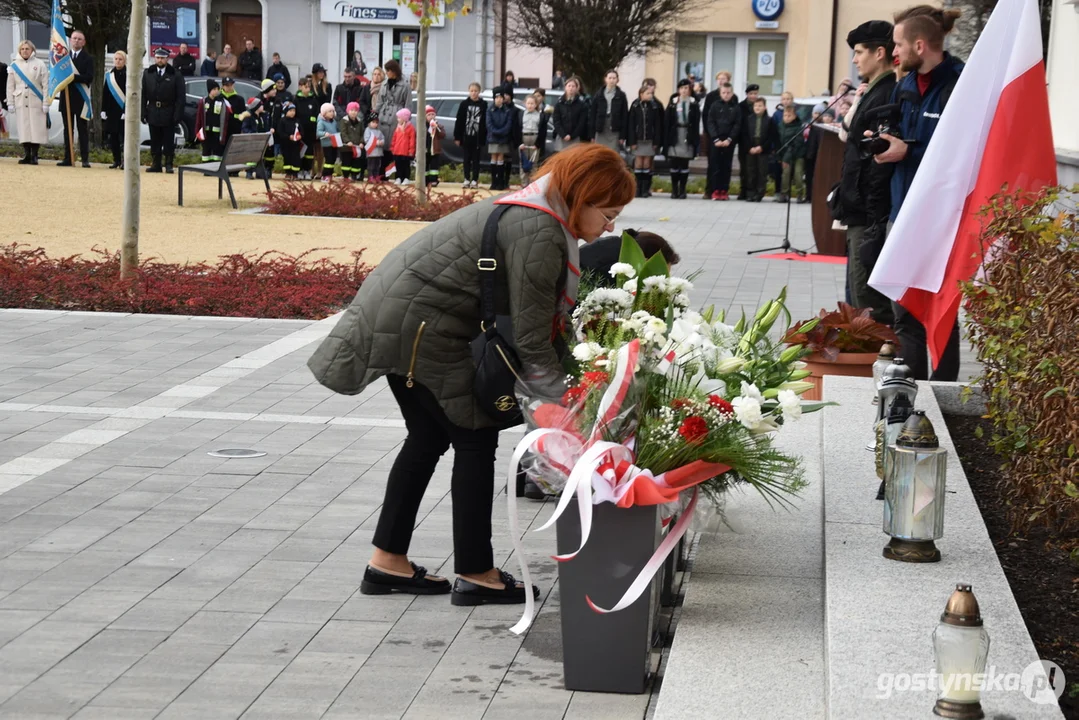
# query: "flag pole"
70, 129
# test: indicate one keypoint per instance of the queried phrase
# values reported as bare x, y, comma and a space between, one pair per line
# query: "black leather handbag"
497, 366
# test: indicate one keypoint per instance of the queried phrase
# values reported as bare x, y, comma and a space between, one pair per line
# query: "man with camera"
922, 96
865, 199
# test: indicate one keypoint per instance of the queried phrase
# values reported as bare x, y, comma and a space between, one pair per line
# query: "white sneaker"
406, 181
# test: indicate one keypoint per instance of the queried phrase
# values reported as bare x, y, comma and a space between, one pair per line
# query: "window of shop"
36, 33
757, 59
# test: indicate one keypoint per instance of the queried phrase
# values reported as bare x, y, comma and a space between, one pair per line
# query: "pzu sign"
767, 9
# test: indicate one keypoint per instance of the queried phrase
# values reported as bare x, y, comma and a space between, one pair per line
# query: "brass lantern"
897, 379
889, 433
914, 493
961, 646
884, 359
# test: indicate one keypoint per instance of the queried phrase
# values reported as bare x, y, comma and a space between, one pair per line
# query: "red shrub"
271, 285
374, 201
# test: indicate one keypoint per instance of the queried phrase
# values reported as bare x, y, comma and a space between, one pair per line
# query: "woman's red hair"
589, 174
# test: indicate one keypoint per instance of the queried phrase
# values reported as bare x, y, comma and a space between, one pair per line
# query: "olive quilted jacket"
418, 311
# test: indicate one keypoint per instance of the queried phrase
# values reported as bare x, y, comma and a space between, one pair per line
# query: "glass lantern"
961, 646
914, 493
897, 415
897, 379
884, 359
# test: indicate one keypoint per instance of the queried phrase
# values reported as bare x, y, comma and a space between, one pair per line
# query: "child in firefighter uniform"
307, 111
256, 120
212, 122
289, 137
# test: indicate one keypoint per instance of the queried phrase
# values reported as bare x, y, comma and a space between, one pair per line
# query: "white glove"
45, 109
123, 115
104, 116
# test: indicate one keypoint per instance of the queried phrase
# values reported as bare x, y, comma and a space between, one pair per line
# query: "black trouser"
211, 146
162, 141
329, 159
720, 160
743, 154
116, 141
82, 127
755, 176
374, 168
307, 133
811, 167
913, 349
472, 161
290, 157
403, 167
708, 180
472, 482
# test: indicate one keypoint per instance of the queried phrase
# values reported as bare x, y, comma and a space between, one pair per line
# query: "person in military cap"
164, 94
864, 194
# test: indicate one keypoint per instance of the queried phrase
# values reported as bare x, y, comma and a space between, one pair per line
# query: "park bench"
243, 152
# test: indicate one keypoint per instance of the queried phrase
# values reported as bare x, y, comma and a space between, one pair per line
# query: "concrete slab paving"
140, 577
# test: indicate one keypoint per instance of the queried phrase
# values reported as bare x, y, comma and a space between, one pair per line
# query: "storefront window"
766, 65
691, 55
724, 57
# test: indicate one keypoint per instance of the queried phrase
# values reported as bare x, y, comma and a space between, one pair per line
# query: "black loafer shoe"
469, 593
376, 582
532, 491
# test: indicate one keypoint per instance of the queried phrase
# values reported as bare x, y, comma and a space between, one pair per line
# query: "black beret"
752, 88
685, 82
874, 31
211, 84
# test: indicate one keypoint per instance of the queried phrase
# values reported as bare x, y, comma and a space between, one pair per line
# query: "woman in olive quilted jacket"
413, 321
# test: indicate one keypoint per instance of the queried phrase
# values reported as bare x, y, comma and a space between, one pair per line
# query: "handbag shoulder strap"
487, 264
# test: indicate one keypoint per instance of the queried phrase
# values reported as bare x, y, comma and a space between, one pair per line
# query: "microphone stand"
786, 246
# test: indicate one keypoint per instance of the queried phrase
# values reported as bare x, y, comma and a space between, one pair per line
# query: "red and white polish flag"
994, 131
336, 141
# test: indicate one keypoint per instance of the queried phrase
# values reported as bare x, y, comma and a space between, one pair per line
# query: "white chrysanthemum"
642, 315
656, 326
587, 351
607, 297
693, 318
679, 285
751, 391
630, 286
747, 410
790, 404
656, 282
623, 269
681, 300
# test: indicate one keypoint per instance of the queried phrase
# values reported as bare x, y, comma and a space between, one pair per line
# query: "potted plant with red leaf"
842, 342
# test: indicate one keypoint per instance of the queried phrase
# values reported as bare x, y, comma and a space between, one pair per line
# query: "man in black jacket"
184, 61
752, 92
164, 94
251, 62
84, 80
864, 194
279, 68
351, 90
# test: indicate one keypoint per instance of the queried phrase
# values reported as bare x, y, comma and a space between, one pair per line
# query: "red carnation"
694, 429
720, 404
591, 379
573, 396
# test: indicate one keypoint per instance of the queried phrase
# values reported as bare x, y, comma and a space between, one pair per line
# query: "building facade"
1063, 100
304, 32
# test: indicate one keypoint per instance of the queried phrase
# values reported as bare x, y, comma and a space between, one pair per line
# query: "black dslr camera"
886, 118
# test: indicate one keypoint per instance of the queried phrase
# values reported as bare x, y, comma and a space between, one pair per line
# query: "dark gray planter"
607, 653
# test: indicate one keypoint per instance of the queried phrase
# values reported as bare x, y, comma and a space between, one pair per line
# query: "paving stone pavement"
142, 578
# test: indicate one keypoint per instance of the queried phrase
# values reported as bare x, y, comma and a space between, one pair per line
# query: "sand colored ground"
32, 212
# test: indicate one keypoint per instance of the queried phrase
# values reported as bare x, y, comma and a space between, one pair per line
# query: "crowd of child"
307, 132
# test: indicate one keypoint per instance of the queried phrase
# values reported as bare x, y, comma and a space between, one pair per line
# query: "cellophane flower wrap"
665, 401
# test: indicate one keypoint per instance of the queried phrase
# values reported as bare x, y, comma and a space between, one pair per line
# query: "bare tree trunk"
136, 49
421, 117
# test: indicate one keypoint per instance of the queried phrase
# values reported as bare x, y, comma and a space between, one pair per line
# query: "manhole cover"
233, 453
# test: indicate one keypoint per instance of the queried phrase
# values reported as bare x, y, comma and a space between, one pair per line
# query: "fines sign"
372, 12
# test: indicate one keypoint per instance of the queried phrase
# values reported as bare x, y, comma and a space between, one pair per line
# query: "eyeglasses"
608, 220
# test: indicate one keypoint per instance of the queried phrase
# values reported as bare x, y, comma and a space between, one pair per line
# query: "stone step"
880, 614
750, 638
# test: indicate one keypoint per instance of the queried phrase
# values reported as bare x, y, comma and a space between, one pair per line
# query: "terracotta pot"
850, 364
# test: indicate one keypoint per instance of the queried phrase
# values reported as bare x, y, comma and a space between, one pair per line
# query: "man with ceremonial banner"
75, 68
164, 94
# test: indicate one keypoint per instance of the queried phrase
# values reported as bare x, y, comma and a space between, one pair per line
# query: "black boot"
155, 164
168, 164
648, 183
33, 153
674, 186
25, 154
116, 161
638, 175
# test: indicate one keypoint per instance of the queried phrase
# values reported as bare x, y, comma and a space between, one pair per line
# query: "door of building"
240, 28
